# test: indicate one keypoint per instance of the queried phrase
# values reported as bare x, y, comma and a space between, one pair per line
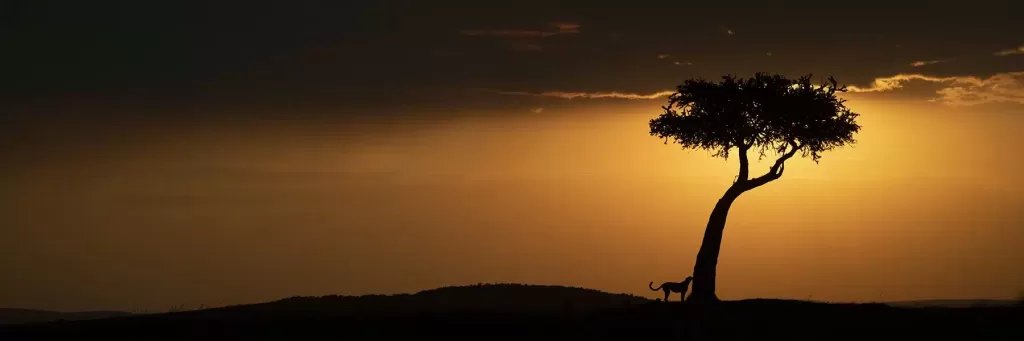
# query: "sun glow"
558, 200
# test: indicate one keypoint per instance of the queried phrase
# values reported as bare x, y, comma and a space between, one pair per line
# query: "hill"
954, 303
15, 316
476, 298
530, 311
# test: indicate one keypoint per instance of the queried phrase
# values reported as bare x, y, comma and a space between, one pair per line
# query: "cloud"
925, 62
567, 28
920, 63
897, 82
662, 55
558, 28
590, 95
506, 33
1007, 52
1005, 87
537, 110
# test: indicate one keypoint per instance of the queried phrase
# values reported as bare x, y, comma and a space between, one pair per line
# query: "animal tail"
651, 285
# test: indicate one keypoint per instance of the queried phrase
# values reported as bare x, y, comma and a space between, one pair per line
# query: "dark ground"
535, 312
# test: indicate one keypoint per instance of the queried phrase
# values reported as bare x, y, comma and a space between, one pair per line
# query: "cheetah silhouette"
670, 287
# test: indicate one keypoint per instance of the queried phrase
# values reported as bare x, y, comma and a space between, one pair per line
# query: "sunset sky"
159, 153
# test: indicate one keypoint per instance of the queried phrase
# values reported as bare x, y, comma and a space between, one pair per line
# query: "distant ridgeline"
16, 316
966, 303
505, 297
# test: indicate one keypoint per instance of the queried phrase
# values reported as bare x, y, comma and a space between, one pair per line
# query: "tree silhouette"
764, 113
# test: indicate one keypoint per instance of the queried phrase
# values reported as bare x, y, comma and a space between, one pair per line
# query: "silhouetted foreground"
545, 312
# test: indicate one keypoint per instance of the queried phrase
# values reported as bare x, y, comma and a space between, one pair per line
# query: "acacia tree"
762, 114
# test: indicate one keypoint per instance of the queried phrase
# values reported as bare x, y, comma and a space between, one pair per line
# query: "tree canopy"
763, 113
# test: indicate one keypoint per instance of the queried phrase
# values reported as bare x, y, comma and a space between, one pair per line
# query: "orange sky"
924, 206
158, 154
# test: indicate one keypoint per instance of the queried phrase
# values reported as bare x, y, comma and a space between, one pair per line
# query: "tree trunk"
707, 258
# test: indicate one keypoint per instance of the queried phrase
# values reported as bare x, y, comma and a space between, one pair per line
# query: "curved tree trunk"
707, 258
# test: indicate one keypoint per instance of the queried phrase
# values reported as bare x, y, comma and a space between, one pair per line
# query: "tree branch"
744, 165
775, 171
